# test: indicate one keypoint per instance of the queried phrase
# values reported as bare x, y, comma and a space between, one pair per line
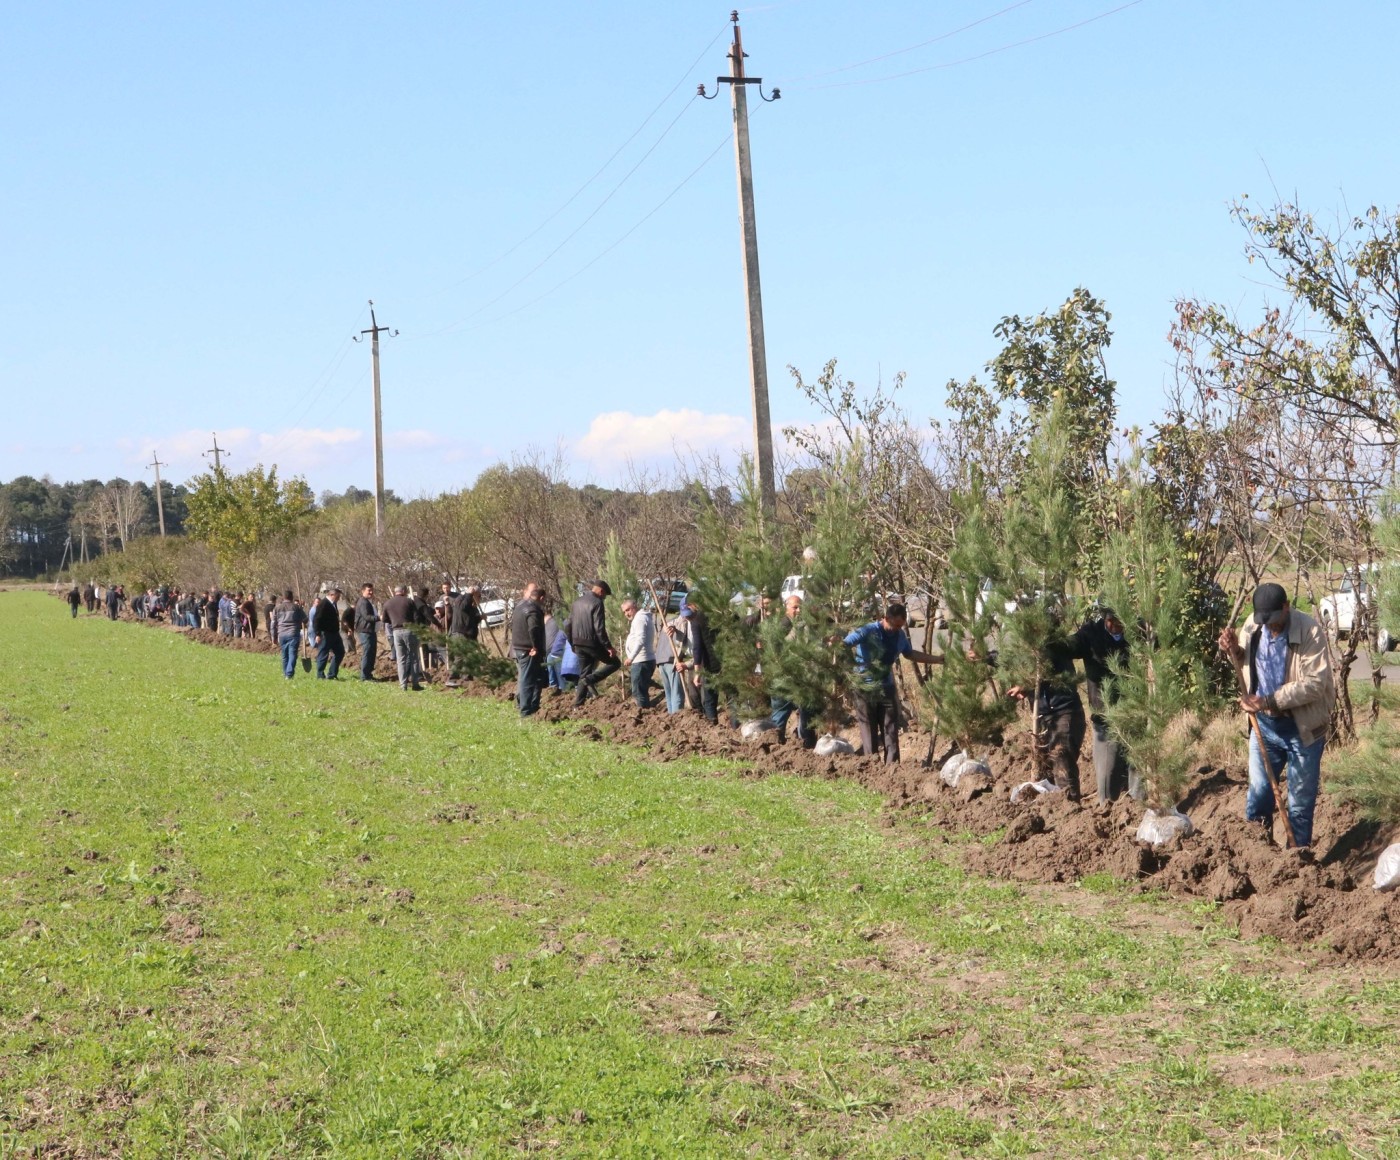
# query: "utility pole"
758, 357
217, 452
374, 331
160, 503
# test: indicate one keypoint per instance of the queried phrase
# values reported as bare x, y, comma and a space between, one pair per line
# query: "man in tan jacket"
1281, 656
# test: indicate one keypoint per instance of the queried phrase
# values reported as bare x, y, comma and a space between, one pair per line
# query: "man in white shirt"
639, 653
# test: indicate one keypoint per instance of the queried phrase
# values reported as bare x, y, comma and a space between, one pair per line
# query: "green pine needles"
1155, 704
804, 661
961, 692
742, 559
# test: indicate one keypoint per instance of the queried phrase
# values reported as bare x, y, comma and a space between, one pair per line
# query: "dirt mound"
252, 644
1322, 896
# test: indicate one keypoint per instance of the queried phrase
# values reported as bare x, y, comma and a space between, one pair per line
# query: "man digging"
1280, 656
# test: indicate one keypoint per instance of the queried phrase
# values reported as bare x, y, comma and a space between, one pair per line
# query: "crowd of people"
1280, 656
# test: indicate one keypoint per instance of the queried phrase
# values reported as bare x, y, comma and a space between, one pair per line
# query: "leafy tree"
1158, 700
1057, 357
242, 516
1336, 349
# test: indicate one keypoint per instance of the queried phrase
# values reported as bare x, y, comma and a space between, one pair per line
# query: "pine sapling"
743, 558
1041, 563
1155, 703
805, 662
961, 692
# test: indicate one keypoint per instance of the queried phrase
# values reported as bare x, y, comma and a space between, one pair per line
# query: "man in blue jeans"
783, 709
325, 635
639, 651
1281, 657
527, 646
288, 620
366, 621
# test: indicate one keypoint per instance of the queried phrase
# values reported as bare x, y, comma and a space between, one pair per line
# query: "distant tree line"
37, 517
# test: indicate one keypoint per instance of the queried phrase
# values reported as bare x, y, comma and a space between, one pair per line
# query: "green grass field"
246, 917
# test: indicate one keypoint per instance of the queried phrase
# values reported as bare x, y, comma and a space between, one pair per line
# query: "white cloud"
295, 450
414, 440
617, 437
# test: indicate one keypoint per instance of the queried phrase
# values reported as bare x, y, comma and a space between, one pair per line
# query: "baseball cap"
1269, 601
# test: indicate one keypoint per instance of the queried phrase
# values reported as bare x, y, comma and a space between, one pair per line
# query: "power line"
318, 384
913, 47
982, 55
569, 237
326, 377
609, 249
597, 173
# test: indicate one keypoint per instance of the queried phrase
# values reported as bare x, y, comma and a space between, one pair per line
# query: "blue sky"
198, 200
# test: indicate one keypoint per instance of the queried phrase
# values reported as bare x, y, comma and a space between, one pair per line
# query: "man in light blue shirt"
878, 647
1281, 656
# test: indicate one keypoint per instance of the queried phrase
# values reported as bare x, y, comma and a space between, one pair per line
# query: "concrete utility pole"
758, 357
160, 503
374, 331
217, 452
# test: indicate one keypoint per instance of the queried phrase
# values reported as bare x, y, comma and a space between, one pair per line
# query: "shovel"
305, 657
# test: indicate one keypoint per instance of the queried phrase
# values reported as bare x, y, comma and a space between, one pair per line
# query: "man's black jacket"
466, 617
527, 628
587, 626
325, 621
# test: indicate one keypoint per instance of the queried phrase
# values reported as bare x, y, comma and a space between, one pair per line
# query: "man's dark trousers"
530, 670
1062, 731
331, 648
879, 716
369, 644
593, 666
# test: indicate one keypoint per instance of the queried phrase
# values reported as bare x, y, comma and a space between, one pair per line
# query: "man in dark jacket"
1059, 716
288, 621
466, 615
528, 647
366, 631
114, 599
347, 626
400, 615
705, 660
90, 596
75, 598
1100, 643
587, 633
325, 635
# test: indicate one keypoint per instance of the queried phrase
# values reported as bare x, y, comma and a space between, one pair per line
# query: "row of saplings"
1018, 609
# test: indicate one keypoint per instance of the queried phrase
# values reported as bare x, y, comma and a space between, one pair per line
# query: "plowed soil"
1321, 896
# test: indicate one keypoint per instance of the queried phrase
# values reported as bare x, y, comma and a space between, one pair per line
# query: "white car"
792, 586
494, 606
1337, 611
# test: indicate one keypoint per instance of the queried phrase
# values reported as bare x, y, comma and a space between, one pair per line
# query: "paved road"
1361, 667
